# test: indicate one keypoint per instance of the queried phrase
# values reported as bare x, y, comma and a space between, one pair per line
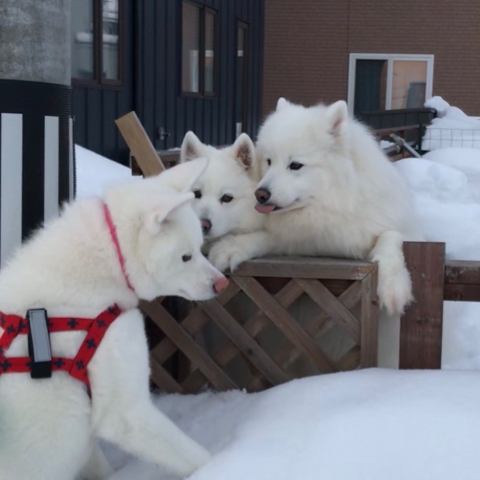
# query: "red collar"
113, 235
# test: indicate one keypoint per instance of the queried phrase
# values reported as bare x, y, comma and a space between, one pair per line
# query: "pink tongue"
264, 208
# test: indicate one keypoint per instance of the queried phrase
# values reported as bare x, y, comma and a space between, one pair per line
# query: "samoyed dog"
327, 189
225, 192
141, 240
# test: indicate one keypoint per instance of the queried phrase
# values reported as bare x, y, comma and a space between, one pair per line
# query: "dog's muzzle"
206, 225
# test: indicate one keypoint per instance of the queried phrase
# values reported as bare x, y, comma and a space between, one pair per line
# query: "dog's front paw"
395, 291
227, 254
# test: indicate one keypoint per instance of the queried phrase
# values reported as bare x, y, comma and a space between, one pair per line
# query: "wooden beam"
305, 267
421, 324
140, 145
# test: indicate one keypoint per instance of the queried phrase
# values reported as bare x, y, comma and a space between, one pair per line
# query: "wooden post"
140, 145
421, 325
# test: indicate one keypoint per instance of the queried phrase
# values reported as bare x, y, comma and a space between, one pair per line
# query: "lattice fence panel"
279, 319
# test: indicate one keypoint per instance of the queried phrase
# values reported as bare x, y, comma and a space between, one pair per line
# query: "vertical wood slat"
287, 325
421, 324
245, 342
185, 342
369, 321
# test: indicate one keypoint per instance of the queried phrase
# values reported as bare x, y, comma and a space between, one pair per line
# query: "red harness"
14, 325
76, 367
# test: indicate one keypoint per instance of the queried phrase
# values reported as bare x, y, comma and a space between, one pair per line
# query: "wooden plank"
163, 379
245, 342
254, 325
305, 267
351, 359
464, 272
462, 293
139, 144
369, 321
287, 325
335, 309
421, 325
192, 323
319, 326
189, 347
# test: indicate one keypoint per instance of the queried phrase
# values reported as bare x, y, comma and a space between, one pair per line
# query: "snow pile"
366, 425
95, 172
452, 128
446, 191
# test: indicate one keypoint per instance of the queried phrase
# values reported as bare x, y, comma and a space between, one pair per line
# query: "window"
241, 87
96, 40
199, 39
385, 82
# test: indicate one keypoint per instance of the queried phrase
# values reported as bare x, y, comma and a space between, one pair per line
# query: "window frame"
202, 51
390, 58
241, 24
98, 79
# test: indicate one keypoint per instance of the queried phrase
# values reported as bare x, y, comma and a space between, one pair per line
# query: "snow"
95, 172
365, 425
452, 128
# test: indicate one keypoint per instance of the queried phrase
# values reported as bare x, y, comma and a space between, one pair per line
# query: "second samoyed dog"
327, 189
225, 192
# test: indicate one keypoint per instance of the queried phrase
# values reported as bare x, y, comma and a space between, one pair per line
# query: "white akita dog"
328, 190
140, 241
225, 192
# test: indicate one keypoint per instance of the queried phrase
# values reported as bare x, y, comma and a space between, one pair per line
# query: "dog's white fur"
231, 171
347, 200
47, 427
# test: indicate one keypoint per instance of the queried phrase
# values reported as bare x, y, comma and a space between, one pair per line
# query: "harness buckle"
39, 348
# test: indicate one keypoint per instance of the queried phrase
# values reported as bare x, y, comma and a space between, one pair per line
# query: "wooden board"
140, 145
421, 325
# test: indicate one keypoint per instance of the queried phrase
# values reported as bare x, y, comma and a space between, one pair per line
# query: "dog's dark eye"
295, 166
269, 162
186, 258
197, 193
226, 198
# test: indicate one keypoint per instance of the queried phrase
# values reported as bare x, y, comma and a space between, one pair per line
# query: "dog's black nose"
263, 195
206, 225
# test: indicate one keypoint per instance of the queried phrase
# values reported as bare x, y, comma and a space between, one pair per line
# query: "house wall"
152, 80
308, 42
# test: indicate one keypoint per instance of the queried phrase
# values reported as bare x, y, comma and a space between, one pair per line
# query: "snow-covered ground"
366, 425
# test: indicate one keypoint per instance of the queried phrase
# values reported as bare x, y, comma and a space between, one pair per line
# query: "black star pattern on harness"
22, 326
59, 362
1, 350
111, 310
72, 323
80, 365
5, 365
101, 323
91, 343
11, 329
2, 321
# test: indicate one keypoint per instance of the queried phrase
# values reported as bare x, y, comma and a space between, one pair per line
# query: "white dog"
225, 192
328, 190
74, 268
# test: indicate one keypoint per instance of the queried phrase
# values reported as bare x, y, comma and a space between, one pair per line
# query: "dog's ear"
183, 176
337, 114
169, 203
282, 103
243, 150
192, 148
